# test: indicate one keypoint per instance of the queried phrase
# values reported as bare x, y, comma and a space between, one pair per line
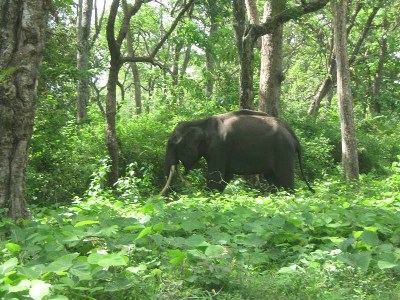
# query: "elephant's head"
185, 146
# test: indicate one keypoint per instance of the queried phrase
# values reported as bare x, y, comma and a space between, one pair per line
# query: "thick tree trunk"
349, 143
271, 73
83, 44
246, 36
22, 38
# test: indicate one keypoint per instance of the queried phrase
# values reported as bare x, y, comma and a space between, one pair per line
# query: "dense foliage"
87, 241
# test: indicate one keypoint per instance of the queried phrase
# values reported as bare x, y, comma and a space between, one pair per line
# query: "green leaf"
108, 260
133, 227
191, 225
8, 265
13, 247
287, 270
370, 238
196, 241
62, 264
58, 297
87, 222
82, 270
215, 251
140, 268
387, 265
23, 285
358, 260
39, 289
178, 257
144, 232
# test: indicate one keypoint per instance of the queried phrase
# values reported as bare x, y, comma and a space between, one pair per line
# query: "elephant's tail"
301, 168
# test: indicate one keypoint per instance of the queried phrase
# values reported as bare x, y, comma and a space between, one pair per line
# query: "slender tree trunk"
349, 143
379, 71
271, 74
85, 8
330, 80
22, 37
135, 73
210, 60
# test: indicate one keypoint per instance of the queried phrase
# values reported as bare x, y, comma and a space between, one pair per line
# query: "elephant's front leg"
218, 180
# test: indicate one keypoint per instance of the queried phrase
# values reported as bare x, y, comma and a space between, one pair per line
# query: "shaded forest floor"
343, 242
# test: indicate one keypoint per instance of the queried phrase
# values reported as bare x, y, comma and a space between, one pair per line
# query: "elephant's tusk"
185, 182
171, 174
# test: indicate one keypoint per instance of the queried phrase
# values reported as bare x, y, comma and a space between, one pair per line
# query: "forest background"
87, 239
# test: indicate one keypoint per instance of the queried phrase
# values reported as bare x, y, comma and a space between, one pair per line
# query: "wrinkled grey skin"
243, 142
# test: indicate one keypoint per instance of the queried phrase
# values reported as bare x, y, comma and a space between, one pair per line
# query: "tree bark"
84, 18
114, 40
246, 37
349, 142
379, 71
271, 73
22, 38
135, 73
330, 80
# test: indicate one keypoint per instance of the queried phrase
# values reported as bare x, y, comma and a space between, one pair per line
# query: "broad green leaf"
23, 285
8, 265
191, 225
61, 264
108, 260
58, 297
286, 270
196, 241
133, 227
140, 268
87, 222
178, 257
144, 232
387, 264
119, 284
358, 260
215, 250
370, 238
82, 270
32, 272
13, 247
39, 289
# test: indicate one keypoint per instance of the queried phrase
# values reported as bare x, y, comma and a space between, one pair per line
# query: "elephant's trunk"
171, 175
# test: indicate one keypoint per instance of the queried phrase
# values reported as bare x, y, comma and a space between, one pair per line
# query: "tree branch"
151, 58
287, 15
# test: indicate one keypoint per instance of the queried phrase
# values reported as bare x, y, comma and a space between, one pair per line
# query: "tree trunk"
379, 71
330, 80
246, 36
83, 44
22, 38
135, 72
245, 43
349, 143
210, 60
271, 74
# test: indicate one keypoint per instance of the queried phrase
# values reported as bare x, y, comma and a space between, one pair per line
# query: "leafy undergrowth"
341, 243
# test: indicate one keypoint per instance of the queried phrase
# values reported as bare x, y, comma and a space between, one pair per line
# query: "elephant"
242, 142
